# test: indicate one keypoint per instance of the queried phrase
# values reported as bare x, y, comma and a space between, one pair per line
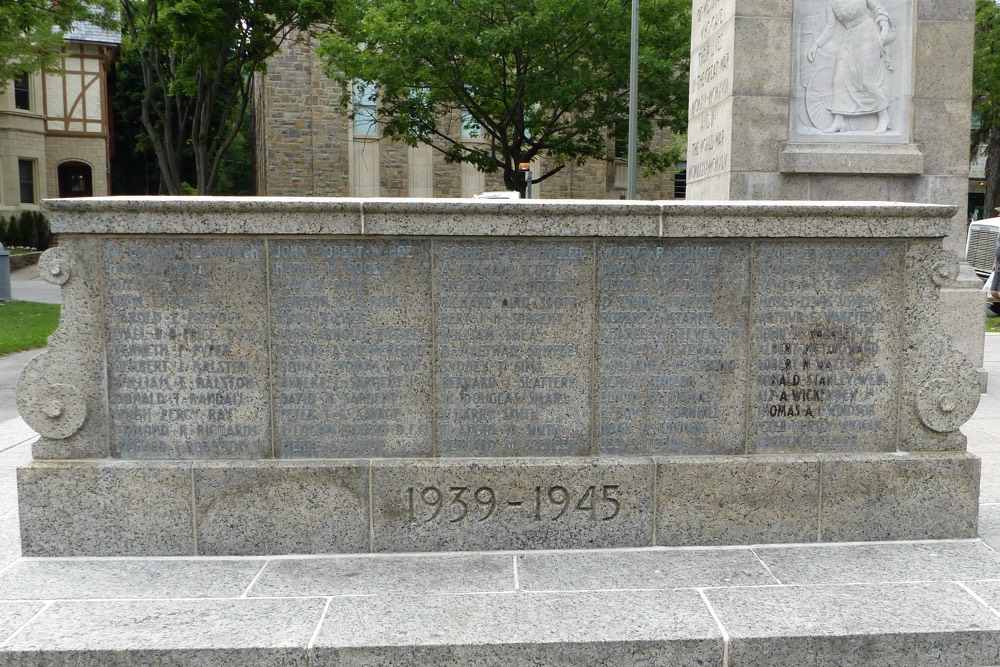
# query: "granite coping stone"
302, 216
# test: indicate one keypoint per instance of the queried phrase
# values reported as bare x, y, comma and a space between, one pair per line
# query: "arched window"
75, 180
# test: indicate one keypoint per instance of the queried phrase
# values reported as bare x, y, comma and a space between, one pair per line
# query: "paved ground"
26, 285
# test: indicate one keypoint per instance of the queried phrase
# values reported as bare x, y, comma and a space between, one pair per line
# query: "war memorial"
440, 432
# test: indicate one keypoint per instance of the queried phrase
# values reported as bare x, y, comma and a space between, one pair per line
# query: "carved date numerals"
458, 504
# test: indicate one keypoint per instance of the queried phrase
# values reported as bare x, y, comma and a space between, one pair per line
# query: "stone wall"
395, 375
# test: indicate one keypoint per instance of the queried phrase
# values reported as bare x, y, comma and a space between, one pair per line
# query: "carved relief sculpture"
853, 68
858, 76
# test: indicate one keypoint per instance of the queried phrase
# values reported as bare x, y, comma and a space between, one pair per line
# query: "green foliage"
993, 324
197, 59
26, 325
986, 97
31, 31
539, 77
30, 229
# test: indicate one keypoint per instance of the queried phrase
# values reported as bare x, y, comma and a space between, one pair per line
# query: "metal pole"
633, 104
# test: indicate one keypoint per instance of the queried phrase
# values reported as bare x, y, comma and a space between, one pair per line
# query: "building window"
75, 180
471, 130
22, 92
26, 175
365, 110
680, 180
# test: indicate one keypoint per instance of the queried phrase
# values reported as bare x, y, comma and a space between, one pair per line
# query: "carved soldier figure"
858, 76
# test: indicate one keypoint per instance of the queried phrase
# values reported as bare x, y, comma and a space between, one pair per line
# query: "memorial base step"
888, 604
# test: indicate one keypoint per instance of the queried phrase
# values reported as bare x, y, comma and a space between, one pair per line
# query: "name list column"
352, 347
826, 346
187, 353
514, 324
672, 347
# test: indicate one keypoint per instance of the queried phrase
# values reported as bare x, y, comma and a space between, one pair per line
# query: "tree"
986, 97
535, 78
31, 31
197, 60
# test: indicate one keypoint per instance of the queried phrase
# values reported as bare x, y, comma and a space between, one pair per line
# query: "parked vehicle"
981, 248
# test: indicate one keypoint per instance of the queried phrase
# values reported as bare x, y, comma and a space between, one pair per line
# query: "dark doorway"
75, 180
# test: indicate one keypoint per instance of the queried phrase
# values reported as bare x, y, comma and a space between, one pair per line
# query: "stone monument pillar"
839, 100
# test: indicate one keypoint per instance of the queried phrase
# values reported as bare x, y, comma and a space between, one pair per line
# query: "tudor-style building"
55, 135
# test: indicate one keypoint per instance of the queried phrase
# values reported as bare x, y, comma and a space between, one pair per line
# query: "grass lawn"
25, 325
993, 324
20, 251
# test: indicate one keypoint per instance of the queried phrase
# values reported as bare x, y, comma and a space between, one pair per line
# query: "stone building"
306, 144
55, 134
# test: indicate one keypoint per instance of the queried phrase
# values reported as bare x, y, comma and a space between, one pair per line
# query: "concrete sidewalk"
27, 285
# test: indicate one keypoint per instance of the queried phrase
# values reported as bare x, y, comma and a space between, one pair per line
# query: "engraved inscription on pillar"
186, 348
826, 346
513, 327
711, 89
672, 347
352, 348
852, 64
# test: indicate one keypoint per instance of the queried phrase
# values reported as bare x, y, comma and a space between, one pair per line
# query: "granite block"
946, 10
503, 218
135, 579
187, 355
351, 347
281, 507
231, 632
671, 348
947, 151
827, 158
399, 575
15, 614
988, 591
715, 500
513, 335
899, 497
881, 563
106, 508
473, 504
942, 71
755, 147
875, 625
646, 569
826, 352
667, 627
766, 42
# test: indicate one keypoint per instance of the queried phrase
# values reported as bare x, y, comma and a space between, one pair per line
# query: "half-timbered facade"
55, 135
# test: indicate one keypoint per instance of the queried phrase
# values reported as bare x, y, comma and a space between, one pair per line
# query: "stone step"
913, 604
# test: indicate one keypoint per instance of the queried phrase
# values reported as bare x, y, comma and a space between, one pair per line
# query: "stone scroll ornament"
841, 97
949, 395
55, 410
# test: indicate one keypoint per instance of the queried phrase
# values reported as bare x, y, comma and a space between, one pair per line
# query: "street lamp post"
633, 104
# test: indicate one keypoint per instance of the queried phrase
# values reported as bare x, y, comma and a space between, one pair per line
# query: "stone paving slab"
876, 625
874, 563
647, 569
450, 573
57, 579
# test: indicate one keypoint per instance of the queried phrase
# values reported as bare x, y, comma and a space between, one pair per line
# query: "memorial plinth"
300, 376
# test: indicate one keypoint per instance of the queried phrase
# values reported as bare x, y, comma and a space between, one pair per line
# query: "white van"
981, 248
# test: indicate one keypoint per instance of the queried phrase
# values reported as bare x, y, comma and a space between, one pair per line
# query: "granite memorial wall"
313, 376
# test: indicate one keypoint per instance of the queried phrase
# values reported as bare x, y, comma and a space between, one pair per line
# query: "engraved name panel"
352, 347
671, 349
826, 347
187, 353
513, 328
